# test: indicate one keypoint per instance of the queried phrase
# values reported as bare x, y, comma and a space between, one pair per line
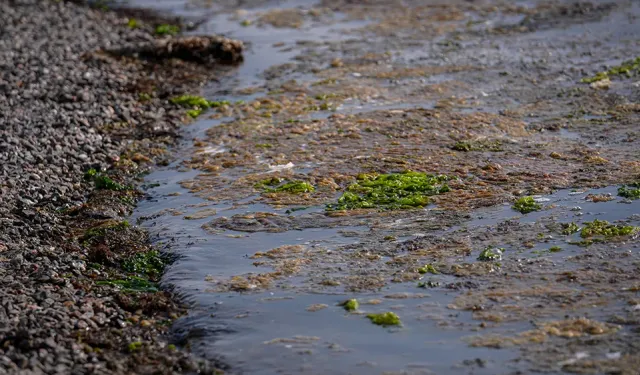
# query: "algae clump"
391, 191
131, 284
605, 229
166, 29
351, 304
631, 191
295, 187
628, 68
570, 228
526, 204
428, 268
134, 346
103, 182
191, 101
279, 185
151, 263
490, 254
385, 319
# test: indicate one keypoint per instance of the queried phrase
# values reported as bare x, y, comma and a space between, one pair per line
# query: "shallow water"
270, 331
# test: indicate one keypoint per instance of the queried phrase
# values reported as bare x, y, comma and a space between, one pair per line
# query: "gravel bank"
78, 290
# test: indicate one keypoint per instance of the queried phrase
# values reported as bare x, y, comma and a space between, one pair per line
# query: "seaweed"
570, 228
351, 304
428, 268
131, 284
278, 185
385, 319
166, 29
628, 69
391, 191
102, 181
605, 229
631, 191
490, 254
191, 101
526, 204
150, 263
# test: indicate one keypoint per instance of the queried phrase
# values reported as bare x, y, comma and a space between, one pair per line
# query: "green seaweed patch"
102, 181
628, 69
194, 113
166, 29
350, 304
197, 104
278, 185
191, 101
131, 284
133, 23
631, 191
134, 346
570, 228
526, 204
555, 249
150, 263
391, 191
491, 254
428, 284
385, 319
428, 268
605, 229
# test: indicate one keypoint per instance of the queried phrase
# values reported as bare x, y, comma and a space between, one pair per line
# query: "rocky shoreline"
85, 111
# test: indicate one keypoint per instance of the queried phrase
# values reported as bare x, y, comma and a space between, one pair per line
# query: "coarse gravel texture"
66, 107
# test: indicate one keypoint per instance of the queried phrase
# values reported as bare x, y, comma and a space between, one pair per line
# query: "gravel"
66, 107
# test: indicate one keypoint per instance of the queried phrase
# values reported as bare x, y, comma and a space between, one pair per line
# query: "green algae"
294, 187
279, 185
133, 23
385, 319
351, 304
151, 263
391, 191
628, 69
605, 229
428, 284
166, 29
90, 174
191, 101
102, 181
134, 346
555, 249
490, 254
631, 191
196, 104
526, 204
428, 268
105, 182
131, 284
570, 228
194, 113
